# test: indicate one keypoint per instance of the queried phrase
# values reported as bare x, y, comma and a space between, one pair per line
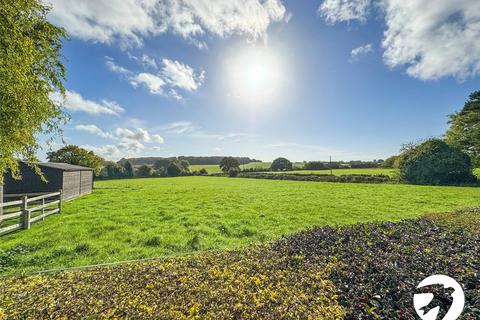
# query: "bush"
434, 162
229, 162
174, 169
203, 172
281, 164
233, 172
315, 165
390, 163
144, 171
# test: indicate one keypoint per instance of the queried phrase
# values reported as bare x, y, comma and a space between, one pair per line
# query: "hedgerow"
354, 178
380, 265
246, 284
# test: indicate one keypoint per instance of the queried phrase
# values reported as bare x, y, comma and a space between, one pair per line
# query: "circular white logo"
428, 309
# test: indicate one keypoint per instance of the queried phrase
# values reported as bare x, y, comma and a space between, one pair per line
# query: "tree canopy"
434, 162
281, 164
75, 155
464, 131
31, 69
228, 163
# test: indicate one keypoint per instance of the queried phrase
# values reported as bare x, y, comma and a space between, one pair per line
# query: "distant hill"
192, 160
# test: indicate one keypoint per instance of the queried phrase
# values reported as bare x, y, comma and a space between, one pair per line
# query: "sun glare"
255, 76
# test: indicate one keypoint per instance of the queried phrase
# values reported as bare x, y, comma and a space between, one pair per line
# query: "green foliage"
144, 171
203, 172
185, 165
128, 169
228, 163
380, 265
30, 71
233, 172
112, 170
464, 131
161, 163
175, 169
434, 162
122, 215
248, 284
281, 164
315, 165
78, 156
352, 178
391, 163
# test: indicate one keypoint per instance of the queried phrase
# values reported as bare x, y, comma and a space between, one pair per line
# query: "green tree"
434, 162
174, 169
113, 170
281, 164
464, 131
31, 69
75, 155
185, 165
161, 163
228, 163
390, 163
128, 169
144, 171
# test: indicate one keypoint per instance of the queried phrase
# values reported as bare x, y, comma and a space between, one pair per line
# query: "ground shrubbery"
365, 271
434, 162
380, 265
354, 178
248, 284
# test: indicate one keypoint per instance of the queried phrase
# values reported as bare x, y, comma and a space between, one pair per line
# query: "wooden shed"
73, 180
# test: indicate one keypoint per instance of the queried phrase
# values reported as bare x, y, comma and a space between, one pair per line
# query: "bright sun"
255, 76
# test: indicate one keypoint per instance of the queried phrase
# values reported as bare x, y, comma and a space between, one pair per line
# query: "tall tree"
31, 69
128, 169
281, 164
464, 131
75, 155
228, 163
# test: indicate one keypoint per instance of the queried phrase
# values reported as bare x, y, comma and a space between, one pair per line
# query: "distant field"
139, 218
213, 168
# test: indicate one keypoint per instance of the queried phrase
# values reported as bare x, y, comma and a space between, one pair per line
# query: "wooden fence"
24, 210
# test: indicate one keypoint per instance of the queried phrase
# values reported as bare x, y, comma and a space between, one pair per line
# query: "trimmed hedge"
380, 265
354, 178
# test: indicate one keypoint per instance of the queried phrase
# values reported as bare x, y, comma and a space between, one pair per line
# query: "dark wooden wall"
32, 183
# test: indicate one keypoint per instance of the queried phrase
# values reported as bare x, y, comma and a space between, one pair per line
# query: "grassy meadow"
140, 218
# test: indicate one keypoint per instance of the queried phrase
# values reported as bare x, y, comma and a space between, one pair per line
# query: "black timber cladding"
73, 180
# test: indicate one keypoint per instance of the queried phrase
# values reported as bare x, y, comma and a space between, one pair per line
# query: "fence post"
61, 202
43, 209
25, 214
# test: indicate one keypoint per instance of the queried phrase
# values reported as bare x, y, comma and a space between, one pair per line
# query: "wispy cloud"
73, 101
93, 129
362, 50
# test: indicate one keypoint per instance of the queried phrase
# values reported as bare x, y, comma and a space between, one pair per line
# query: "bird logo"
442, 298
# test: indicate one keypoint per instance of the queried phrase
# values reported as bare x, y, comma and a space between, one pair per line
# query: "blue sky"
301, 79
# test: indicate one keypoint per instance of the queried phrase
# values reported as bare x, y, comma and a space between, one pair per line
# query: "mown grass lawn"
139, 218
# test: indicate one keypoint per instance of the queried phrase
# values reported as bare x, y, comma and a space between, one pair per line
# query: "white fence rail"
20, 214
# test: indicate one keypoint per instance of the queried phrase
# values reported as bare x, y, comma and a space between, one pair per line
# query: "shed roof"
63, 166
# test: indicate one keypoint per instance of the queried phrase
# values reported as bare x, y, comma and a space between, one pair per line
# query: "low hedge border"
352, 178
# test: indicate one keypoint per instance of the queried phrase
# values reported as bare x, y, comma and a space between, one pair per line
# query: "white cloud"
137, 134
344, 10
93, 129
354, 55
182, 76
152, 82
180, 127
173, 74
75, 102
131, 20
433, 39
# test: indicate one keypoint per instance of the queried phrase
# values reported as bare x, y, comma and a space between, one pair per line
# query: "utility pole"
331, 171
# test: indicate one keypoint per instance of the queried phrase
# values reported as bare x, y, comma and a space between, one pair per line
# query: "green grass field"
213, 168
139, 218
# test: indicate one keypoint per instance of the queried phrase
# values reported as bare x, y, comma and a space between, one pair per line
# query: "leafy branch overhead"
31, 69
